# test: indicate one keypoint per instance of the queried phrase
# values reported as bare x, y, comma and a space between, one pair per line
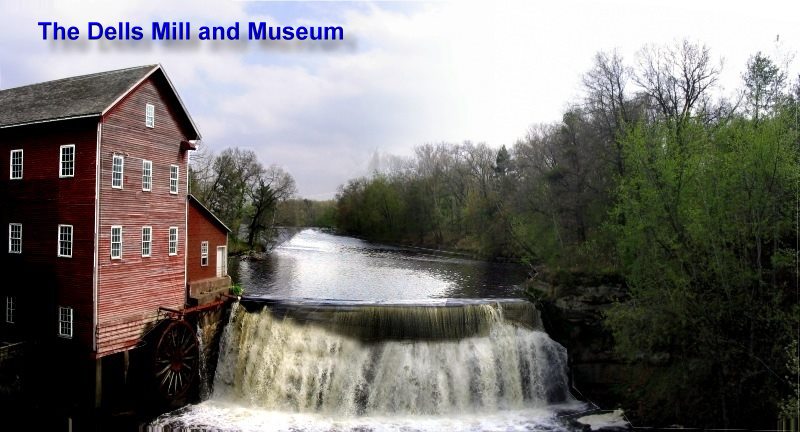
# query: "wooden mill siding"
202, 228
114, 301
131, 289
40, 201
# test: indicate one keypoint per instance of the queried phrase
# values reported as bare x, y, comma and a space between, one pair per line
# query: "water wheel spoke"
165, 378
171, 383
174, 383
178, 381
187, 343
162, 371
176, 358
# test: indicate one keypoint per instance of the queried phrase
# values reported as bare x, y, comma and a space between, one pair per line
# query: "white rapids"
281, 372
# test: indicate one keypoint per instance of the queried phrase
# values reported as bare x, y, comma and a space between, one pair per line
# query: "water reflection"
314, 264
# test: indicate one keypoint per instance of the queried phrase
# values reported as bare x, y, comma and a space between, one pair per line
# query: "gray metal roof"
75, 97
80, 96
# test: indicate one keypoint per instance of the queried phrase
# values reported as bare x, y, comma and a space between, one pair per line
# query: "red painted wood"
202, 228
131, 289
41, 201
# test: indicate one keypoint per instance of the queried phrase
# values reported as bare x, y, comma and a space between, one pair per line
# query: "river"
339, 334
314, 264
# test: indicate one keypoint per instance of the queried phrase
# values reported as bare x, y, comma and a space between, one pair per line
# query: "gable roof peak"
81, 96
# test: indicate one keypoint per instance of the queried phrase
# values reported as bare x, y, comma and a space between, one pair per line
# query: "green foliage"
790, 406
239, 190
236, 246
709, 216
692, 202
237, 289
306, 213
764, 84
373, 208
447, 196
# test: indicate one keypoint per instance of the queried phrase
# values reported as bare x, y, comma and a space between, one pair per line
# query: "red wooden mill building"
103, 237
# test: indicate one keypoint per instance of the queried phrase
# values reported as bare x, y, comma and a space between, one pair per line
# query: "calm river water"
314, 264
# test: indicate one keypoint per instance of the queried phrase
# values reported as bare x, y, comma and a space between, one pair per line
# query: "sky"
406, 74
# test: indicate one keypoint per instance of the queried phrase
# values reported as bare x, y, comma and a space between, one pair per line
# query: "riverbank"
278, 236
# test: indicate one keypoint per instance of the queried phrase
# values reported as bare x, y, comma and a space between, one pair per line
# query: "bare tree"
607, 102
676, 78
480, 164
201, 172
606, 90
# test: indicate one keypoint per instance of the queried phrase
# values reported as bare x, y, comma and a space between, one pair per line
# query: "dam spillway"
373, 321
361, 358
339, 334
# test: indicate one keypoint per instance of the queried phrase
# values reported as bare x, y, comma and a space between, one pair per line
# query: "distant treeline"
690, 196
298, 212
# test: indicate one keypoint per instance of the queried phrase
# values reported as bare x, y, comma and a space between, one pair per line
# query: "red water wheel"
176, 359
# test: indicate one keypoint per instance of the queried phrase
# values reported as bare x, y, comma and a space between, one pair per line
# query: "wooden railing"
11, 351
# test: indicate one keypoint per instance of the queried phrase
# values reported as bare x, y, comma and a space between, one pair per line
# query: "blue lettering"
95, 26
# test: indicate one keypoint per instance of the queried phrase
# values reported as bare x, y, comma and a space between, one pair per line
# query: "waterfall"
202, 368
342, 335
368, 360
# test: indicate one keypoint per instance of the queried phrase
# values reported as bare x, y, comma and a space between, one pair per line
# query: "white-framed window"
14, 238
67, 161
65, 241
116, 242
117, 166
204, 253
11, 309
147, 175
15, 168
150, 115
65, 317
173, 240
173, 179
147, 240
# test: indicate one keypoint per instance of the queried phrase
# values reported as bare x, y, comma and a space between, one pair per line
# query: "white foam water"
215, 415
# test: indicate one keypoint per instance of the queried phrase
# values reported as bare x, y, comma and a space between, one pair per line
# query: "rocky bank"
572, 312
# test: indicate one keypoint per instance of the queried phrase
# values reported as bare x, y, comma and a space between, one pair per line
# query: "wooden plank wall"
131, 289
201, 228
40, 201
